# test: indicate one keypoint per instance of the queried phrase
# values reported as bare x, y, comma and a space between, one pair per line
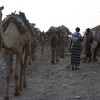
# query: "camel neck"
0, 25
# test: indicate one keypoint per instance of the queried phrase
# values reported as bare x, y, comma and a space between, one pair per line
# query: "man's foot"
89, 61
72, 67
95, 60
76, 68
84, 61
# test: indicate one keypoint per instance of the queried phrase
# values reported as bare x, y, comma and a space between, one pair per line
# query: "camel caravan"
20, 38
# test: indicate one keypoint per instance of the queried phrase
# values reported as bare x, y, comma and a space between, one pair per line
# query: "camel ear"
2, 7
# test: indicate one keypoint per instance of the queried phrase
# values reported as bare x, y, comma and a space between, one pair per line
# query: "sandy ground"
56, 82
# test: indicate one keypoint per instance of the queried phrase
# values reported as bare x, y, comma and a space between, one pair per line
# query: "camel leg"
62, 51
24, 67
30, 55
33, 54
18, 61
6, 55
59, 49
11, 61
57, 53
42, 48
42, 45
53, 55
21, 73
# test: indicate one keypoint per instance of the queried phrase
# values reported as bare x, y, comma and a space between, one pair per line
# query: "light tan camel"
14, 43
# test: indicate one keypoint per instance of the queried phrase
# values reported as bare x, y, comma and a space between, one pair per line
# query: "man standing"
88, 42
75, 46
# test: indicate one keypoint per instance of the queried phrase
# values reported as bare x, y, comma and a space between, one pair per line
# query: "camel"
40, 38
34, 42
64, 32
14, 43
58, 36
42, 42
53, 36
32, 50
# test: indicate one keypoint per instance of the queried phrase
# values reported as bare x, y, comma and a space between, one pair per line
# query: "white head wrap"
75, 36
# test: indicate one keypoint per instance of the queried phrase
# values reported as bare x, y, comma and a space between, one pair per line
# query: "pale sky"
46, 13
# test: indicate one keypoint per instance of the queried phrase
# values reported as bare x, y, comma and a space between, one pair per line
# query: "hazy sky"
46, 13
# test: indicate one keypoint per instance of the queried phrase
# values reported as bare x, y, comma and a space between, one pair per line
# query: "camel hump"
20, 20
16, 19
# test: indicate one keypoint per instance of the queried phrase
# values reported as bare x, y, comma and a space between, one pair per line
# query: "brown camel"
64, 32
58, 36
53, 36
16, 43
34, 43
42, 42
32, 50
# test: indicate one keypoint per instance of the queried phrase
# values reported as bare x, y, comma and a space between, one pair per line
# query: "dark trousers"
95, 51
88, 51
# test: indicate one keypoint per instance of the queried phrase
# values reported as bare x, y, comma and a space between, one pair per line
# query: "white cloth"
75, 36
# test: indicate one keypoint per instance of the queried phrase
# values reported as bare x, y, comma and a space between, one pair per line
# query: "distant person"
88, 42
97, 46
75, 46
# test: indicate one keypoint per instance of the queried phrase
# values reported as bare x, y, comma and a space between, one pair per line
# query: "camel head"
1, 8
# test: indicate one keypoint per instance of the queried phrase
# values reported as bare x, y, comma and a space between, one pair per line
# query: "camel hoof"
17, 93
6, 98
57, 60
33, 59
24, 85
63, 57
11, 70
52, 62
20, 88
29, 63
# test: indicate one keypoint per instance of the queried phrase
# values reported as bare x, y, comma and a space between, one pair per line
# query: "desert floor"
55, 82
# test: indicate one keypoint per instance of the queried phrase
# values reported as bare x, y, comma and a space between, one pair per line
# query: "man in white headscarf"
75, 45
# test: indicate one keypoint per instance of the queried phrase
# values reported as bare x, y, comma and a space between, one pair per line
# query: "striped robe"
76, 54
